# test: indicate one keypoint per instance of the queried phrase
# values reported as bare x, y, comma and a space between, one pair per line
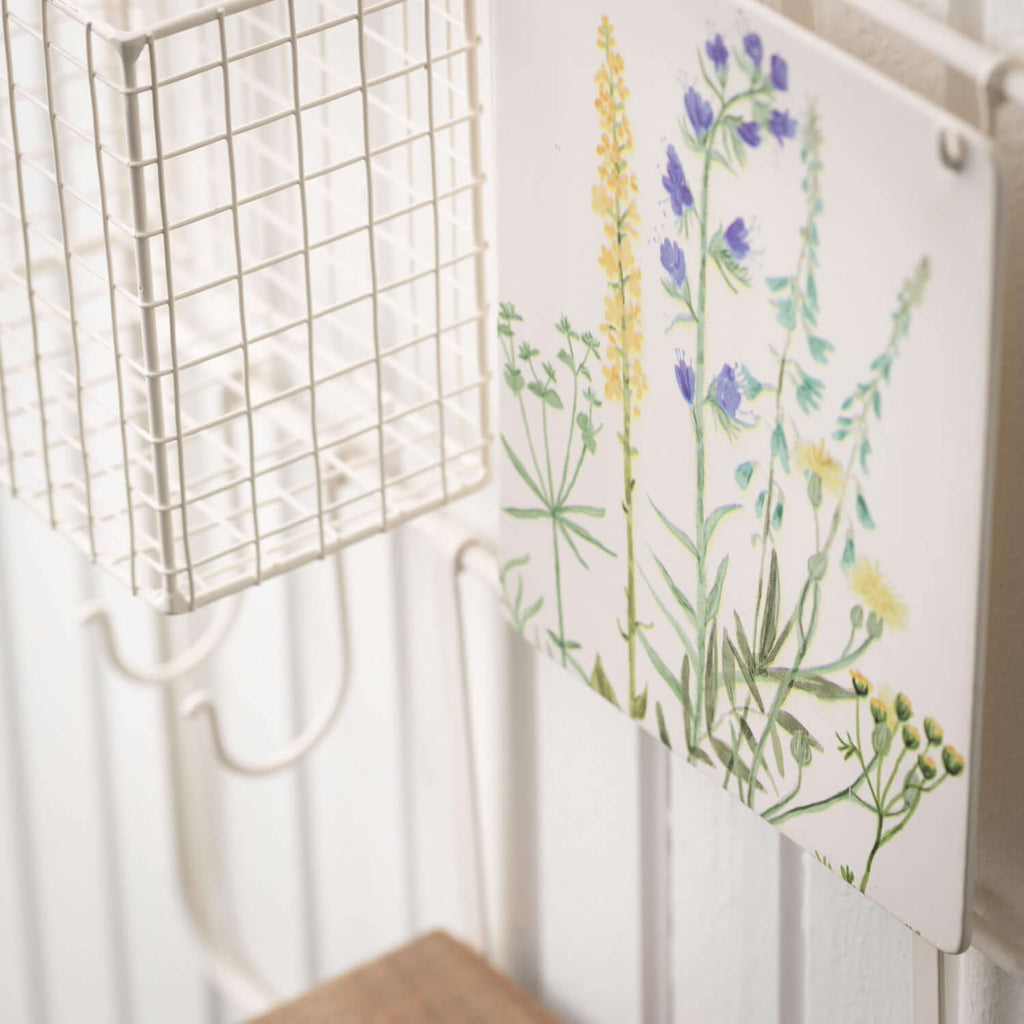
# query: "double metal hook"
201, 703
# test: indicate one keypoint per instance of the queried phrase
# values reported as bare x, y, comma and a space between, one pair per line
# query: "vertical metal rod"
372, 245
114, 333
924, 967
150, 335
58, 180
479, 234
27, 249
307, 270
438, 362
11, 475
113, 876
792, 945
655, 852
242, 319
172, 328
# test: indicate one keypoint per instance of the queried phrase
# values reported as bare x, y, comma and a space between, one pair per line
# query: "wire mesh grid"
241, 309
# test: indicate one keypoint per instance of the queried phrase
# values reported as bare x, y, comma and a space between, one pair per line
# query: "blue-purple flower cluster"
768, 76
777, 122
725, 390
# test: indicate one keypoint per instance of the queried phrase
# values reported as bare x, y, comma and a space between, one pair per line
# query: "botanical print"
750, 608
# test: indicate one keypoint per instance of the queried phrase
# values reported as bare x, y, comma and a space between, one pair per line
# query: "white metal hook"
992, 88
201, 702
163, 673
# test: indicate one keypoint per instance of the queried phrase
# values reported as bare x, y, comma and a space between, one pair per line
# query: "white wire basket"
242, 319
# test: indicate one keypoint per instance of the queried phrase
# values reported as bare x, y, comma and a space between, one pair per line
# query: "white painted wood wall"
623, 888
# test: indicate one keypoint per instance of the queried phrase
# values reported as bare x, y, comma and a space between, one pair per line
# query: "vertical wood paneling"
725, 906
60, 770
353, 777
590, 860
259, 816
163, 966
22, 984
858, 962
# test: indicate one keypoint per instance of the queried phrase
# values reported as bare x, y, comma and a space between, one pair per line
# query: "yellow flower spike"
614, 199
868, 582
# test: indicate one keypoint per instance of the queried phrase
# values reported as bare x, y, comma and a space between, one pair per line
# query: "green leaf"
849, 552
513, 563
527, 513
583, 534
550, 396
759, 504
780, 449
660, 667
814, 494
638, 706
863, 514
745, 670
770, 625
583, 510
777, 752
522, 470
776, 284
532, 610
712, 521
711, 680
793, 727
741, 637
876, 402
820, 348
662, 728
680, 597
744, 471
715, 595
514, 378
865, 451
696, 754
680, 535
777, 514
600, 684
732, 763
684, 690
786, 315
822, 688
728, 667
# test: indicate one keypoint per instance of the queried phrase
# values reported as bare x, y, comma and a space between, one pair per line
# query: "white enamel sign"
746, 350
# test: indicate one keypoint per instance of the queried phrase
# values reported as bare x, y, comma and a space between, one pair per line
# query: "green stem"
558, 588
786, 686
848, 793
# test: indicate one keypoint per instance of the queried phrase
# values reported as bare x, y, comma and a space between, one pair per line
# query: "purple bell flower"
781, 125
780, 73
717, 52
750, 133
754, 49
699, 112
685, 377
675, 184
674, 261
737, 238
727, 391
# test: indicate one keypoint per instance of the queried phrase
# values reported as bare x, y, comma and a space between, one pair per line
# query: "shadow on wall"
1001, 811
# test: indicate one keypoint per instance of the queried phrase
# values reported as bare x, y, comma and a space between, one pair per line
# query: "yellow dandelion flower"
816, 458
869, 584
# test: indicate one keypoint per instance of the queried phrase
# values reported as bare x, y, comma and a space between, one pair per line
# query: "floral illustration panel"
746, 336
